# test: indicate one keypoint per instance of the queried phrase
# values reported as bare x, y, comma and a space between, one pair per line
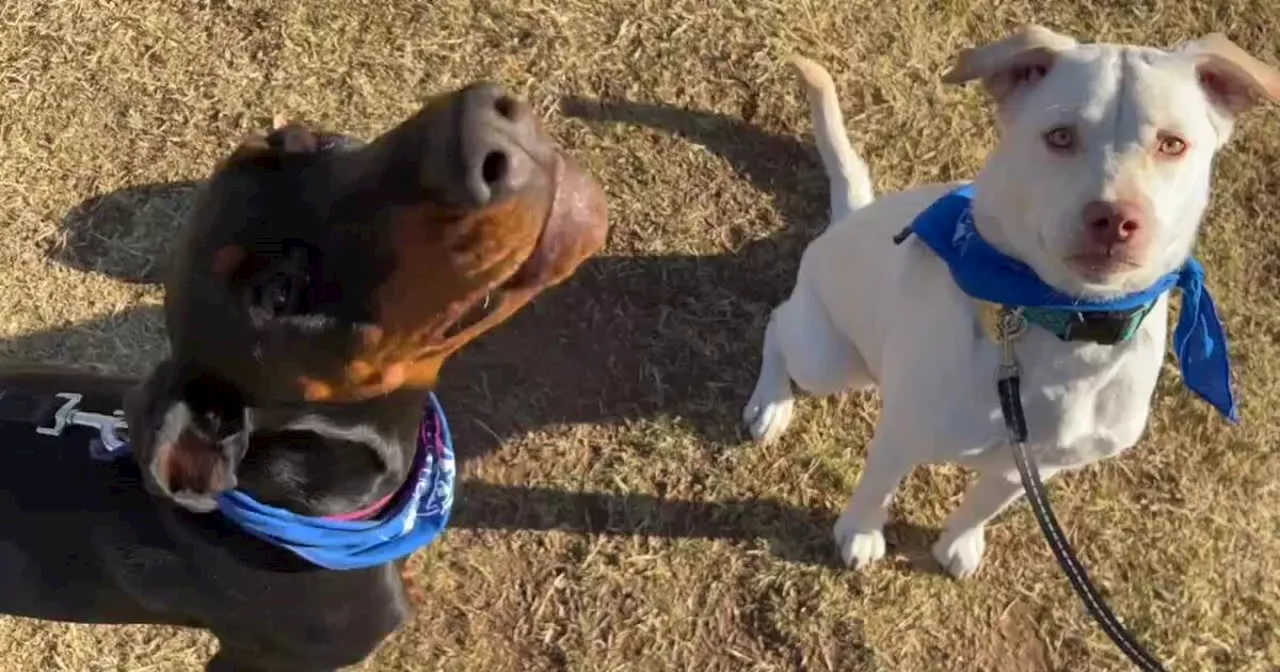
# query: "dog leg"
768, 412
964, 539
859, 533
800, 345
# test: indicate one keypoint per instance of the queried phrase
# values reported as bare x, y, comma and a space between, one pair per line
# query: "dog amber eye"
1060, 139
1172, 145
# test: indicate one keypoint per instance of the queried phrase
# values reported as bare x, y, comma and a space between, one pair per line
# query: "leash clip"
109, 427
1010, 325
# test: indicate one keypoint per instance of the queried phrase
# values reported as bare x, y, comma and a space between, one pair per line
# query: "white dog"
1091, 201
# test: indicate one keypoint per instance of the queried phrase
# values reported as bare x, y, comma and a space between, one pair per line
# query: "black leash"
1012, 324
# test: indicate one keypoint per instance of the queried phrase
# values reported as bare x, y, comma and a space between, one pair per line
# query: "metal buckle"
1010, 325
109, 426
1107, 328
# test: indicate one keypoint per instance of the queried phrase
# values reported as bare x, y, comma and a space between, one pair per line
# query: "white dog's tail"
850, 178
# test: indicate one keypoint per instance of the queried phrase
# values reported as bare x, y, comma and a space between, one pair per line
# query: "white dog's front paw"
858, 546
767, 419
961, 555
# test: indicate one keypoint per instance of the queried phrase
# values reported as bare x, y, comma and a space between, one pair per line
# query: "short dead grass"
611, 516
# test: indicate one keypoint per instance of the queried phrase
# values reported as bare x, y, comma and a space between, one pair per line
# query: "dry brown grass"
623, 524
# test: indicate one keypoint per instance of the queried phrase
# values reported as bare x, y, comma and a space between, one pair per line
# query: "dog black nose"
500, 142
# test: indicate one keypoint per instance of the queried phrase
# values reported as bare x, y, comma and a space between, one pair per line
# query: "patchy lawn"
611, 515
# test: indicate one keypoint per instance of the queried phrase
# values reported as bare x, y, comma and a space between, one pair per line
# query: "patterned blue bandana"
985, 273
415, 516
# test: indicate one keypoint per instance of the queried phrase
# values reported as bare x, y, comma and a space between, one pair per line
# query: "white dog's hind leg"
964, 537
800, 345
859, 533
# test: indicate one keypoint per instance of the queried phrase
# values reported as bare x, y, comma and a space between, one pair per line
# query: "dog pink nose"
1112, 222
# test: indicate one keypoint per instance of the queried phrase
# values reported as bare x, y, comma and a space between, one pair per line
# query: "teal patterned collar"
1104, 327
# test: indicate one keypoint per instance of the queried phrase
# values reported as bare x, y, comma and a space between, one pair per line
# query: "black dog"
318, 289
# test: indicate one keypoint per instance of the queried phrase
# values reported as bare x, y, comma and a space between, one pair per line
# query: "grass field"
611, 516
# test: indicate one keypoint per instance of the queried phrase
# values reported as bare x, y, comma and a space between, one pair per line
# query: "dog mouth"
1103, 266
477, 312
575, 228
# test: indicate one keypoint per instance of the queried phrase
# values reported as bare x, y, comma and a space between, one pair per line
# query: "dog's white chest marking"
1083, 402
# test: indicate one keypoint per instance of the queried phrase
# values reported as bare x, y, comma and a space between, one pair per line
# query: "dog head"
334, 274
316, 271
1102, 172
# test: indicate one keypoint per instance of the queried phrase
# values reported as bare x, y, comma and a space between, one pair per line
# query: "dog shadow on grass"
617, 342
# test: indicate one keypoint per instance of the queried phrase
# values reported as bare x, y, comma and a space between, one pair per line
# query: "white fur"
865, 312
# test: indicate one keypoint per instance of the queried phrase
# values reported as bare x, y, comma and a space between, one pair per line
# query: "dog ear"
1232, 79
189, 435
1012, 64
292, 138
285, 137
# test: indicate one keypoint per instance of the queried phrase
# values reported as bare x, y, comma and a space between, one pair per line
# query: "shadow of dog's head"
316, 271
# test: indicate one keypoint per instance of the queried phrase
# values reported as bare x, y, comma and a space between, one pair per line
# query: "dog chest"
1082, 402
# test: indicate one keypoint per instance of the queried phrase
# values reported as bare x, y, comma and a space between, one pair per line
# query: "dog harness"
388, 530
1001, 282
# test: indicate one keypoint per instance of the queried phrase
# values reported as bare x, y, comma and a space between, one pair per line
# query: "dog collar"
984, 273
1105, 327
413, 517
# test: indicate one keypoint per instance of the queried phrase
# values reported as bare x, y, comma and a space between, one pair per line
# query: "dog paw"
858, 546
766, 421
961, 555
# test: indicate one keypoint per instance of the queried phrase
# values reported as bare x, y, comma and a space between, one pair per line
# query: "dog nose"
499, 137
1112, 222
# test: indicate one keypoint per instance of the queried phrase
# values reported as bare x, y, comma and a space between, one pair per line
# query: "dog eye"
282, 287
1061, 138
278, 296
1172, 145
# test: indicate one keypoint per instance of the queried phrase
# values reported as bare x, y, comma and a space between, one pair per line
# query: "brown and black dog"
318, 289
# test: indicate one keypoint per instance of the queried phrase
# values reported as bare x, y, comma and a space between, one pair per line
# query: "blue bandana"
414, 518
984, 273
411, 518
